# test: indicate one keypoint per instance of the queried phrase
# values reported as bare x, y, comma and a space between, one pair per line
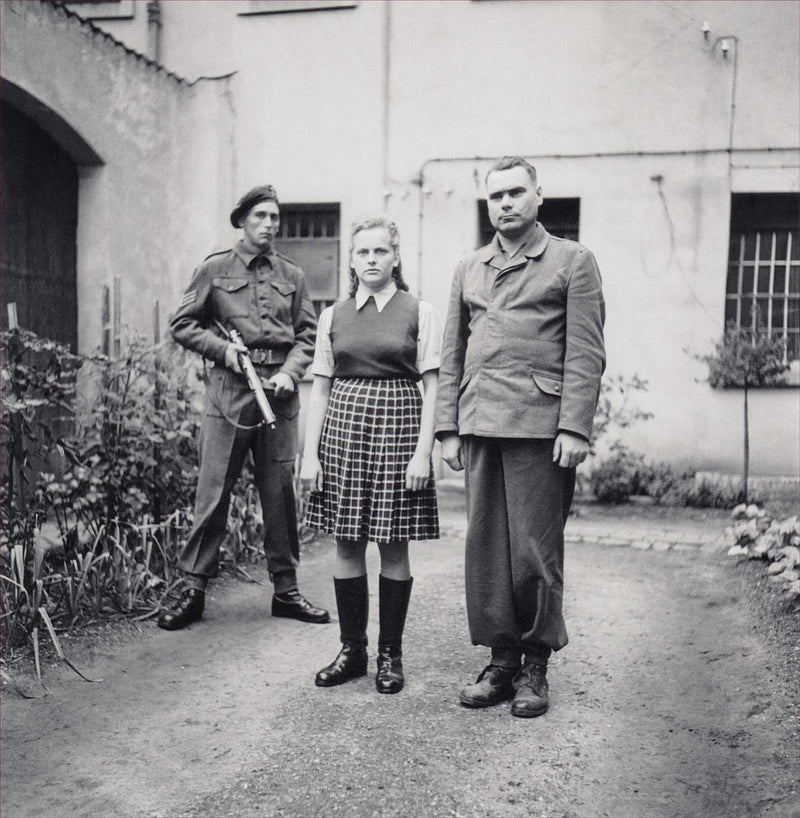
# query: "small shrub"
664, 485
625, 474
712, 495
620, 476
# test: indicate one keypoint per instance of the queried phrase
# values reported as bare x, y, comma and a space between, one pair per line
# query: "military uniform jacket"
263, 297
523, 347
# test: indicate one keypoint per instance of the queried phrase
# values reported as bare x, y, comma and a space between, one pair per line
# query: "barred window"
763, 285
309, 236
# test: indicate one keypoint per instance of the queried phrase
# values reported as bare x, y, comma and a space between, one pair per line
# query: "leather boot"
188, 609
494, 685
293, 605
531, 698
352, 603
394, 595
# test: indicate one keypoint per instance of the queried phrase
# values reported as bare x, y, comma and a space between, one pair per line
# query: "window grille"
763, 283
309, 236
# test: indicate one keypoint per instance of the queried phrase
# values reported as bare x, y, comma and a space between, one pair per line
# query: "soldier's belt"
265, 357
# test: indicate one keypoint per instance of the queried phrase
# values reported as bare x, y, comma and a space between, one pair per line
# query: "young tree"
745, 358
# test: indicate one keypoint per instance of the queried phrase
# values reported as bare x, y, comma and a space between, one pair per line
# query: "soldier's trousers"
517, 504
223, 449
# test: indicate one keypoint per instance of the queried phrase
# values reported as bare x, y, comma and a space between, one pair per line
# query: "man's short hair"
262, 193
508, 162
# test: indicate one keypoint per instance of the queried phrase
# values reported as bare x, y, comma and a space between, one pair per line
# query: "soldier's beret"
262, 193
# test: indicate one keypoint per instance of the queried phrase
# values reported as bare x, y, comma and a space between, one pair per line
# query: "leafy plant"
124, 503
134, 450
746, 358
38, 379
665, 485
118, 495
616, 408
621, 475
757, 535
38, 382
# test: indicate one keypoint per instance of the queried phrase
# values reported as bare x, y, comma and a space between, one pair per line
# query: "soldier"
263, 296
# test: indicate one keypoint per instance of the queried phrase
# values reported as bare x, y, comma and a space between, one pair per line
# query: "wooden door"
38, 222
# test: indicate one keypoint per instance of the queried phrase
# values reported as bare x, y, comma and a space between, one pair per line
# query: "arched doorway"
38, 222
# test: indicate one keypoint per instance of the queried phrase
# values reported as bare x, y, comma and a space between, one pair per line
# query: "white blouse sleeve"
324, 363
429, 341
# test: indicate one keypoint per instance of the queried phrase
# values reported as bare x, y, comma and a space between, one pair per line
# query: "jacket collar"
247, 256
533, 248
382, 297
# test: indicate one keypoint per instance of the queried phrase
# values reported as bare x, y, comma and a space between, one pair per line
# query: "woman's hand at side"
310, 468
418, 472
311, 473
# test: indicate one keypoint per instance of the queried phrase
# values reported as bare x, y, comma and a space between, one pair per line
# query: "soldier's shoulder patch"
189, 297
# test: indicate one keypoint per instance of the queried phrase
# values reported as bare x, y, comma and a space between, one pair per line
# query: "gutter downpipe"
154, 24
733, 108
387, 87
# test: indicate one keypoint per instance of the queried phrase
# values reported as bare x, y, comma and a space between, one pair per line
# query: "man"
518, 385
263, 296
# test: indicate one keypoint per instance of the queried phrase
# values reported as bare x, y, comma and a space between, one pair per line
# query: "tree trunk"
746, 464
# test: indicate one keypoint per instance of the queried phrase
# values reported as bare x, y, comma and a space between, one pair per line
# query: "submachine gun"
250, 374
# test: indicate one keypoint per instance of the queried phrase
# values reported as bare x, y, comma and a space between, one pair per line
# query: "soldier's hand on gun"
232, 352
311, 474
283, 383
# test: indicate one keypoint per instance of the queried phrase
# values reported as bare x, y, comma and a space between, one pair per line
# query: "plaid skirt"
370, 432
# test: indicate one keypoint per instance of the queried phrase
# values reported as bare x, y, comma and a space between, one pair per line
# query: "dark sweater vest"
371, 344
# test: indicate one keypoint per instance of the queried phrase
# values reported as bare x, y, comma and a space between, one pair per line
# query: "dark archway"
38, 223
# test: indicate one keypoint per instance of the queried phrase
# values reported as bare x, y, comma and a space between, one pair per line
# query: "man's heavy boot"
494, 685
188, 609
394, 595
531, 698
352, 603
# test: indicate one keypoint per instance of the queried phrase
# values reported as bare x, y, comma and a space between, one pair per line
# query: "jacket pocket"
548, 384
232, 296
287, 407
285, 288
218, 392
283, 301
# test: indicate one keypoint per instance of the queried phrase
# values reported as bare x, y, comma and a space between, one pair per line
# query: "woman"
368, 441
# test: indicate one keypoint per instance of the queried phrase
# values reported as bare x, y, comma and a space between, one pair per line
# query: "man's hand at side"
451, 452
570, 450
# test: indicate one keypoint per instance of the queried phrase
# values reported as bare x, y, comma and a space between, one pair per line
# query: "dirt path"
675, 697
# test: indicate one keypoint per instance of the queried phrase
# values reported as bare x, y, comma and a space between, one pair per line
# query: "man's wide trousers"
517, 504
